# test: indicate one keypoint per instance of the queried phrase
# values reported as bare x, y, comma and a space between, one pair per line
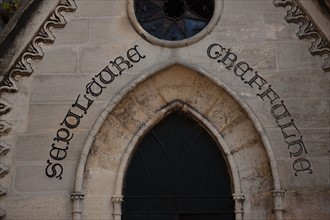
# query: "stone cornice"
320, 45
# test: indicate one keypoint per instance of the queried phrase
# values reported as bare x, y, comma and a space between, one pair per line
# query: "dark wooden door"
177, 173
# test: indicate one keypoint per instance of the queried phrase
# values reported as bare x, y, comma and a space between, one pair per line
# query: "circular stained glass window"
173, 20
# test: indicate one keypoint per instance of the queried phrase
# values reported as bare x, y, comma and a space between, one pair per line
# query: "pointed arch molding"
320, 45
22, 67
146, 101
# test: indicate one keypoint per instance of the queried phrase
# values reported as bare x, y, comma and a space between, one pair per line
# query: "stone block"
148, 97
98, 207
58, 88
313, 113
247, 29
100, 8
295, 55
57, 60
38, 207
107, 30
76, 31
130, 115
317, 141
111, 141
244, 137
93, 59
262, 109
299, 204
318, 179
31, 178
259, 56
185, 78
47, 117
36, 147
277, 141
277, 28
198, 51
248, 7
99, 181
300, 83
224, 112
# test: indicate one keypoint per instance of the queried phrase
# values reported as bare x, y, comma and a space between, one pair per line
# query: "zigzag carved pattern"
33, 51
4, 148
307, 30
23, 68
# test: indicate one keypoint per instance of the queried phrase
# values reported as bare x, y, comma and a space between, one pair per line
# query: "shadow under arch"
163, 97
177, 173
178, 105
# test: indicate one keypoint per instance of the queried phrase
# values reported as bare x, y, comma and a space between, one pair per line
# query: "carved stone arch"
120, 127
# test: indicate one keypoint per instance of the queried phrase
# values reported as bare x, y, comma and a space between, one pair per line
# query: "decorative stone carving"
77, 198
4, 148
4, 169
307, 30
239, 199
2, 213
22, 67
5, 128
278, 196
3, 190
117, 200
280, 193
33, 51
4, 106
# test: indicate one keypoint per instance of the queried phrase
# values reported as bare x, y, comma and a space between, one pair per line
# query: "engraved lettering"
130, 56
120, 61
258, 80
217, 54
297, 144
270, 94
94, 88
231, 57
89, 103
279, 111
56, 170
66, 138
301, 165
60, 153
71, 120
241, 69
288, 126
108, 72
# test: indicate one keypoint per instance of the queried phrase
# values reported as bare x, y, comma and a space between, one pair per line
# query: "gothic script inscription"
100, 81
291, 134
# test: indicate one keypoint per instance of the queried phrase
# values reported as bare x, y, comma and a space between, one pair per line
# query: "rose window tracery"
173, 20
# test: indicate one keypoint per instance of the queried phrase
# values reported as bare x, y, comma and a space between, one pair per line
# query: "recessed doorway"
177, 172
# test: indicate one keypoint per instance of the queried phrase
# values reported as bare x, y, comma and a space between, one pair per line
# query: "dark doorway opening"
177, 173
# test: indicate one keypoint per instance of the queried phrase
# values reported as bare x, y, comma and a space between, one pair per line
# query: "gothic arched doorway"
120, 128
177, 173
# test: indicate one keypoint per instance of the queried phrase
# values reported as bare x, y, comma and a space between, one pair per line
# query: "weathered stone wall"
140, 109
98, 32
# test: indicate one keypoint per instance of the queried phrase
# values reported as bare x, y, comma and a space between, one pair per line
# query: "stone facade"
81, 85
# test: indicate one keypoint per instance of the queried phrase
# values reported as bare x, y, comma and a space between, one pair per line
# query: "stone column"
117, 200
77, 198
239, 199
278, 196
